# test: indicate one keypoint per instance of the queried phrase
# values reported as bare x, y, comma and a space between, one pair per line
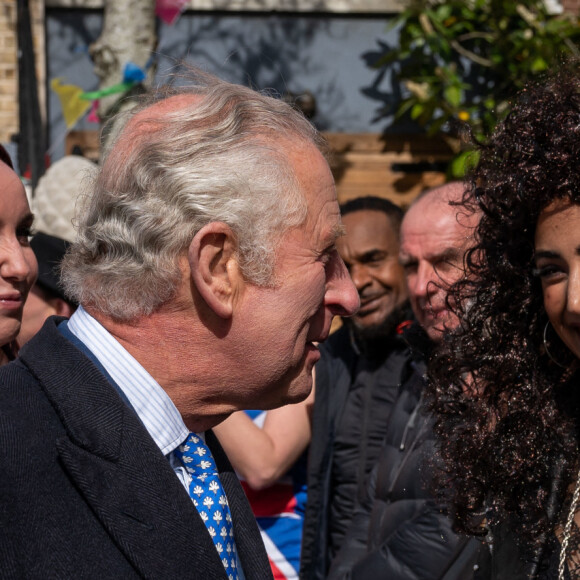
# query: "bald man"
399, 530
206, 272
435, 235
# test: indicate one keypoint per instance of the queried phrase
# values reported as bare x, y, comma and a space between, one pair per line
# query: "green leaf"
443, 12
463, 163
489, 102
539, 65
453, 95
404, 107
417, 111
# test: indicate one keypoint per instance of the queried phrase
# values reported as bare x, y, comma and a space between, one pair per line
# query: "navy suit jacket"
84, 490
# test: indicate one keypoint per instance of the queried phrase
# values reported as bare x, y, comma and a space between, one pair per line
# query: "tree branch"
470, 55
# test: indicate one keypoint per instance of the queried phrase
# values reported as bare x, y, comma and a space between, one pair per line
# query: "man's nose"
341, 294
422, 283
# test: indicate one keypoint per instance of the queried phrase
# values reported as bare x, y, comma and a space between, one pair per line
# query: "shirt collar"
151, 403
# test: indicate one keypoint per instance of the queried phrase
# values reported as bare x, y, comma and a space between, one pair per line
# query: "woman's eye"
547, 271
24, 234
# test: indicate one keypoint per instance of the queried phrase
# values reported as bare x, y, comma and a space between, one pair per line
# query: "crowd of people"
174, 404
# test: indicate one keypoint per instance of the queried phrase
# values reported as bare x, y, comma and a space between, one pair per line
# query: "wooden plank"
401, 190
416, 144
373, 164
85, 143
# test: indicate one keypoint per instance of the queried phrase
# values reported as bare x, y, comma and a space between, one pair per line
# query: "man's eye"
375, 261
327, 256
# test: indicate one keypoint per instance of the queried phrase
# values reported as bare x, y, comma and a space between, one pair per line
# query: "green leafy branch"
461, 61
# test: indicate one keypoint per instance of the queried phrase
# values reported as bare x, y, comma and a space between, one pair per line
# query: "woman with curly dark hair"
506, 386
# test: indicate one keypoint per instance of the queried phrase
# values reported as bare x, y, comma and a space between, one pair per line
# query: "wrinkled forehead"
432, 228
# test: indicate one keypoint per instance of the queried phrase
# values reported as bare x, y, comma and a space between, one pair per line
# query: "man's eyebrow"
27, 221
373, 254
448, 254
337, 231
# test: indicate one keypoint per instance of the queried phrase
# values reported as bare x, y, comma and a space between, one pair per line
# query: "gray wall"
324, 54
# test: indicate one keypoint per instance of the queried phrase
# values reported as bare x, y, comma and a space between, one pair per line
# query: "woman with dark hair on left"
18, 266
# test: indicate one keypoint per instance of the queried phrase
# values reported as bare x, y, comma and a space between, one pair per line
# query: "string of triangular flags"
75, 102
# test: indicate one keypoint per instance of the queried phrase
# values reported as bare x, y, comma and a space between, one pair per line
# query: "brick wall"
572, 6
8, 71
9, 64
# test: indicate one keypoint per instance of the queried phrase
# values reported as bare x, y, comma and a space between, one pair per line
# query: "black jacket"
85, 492
505, 559
399, 532
355, 392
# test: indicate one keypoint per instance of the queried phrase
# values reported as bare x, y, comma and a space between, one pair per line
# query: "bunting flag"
94, 115
75, 102
169, 10
133, 73
71, 101
112, 90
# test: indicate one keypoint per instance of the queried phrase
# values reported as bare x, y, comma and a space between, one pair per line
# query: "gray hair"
216, 158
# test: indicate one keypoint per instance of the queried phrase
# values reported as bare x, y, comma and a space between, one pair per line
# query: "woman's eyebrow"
548, 254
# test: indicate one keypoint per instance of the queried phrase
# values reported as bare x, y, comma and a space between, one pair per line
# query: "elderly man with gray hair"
206, 270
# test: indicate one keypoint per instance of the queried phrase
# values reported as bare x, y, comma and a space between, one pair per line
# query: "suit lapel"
248, 539
118, 469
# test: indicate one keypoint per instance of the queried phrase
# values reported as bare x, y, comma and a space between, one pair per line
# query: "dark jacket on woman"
504, 558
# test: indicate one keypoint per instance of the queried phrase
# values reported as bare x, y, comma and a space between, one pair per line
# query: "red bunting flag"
169, 10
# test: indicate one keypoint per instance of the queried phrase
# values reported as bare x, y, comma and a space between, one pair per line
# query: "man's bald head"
209, 153
435, 234
447, 193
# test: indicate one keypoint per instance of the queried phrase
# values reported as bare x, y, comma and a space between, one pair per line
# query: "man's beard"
364, 335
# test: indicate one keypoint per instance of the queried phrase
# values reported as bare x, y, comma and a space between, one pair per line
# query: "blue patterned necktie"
209, 498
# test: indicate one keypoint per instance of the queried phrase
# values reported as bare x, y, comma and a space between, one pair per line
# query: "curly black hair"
506, 412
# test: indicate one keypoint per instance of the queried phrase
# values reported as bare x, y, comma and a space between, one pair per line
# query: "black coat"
354, 394
399, 532
84, 490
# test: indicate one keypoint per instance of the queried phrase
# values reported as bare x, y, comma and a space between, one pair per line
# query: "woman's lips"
11, 301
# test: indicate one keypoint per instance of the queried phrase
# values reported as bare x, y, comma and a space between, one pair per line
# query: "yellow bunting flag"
73, 107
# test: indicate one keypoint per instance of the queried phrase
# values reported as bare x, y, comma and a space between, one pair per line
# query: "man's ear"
214, 267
